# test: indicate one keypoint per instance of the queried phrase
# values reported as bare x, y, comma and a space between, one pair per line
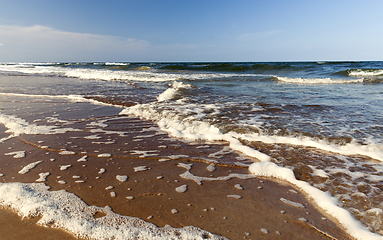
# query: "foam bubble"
122, 178
234, 196
65, 152
323, 200
17, 154
92, 137
82, 159
188, 175
101, 155
264, 230
30, 166
211, 167
140, 168
182, 189
43, 177
291, 203
65, 167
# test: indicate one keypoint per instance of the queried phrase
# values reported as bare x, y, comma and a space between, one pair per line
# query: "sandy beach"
172, 185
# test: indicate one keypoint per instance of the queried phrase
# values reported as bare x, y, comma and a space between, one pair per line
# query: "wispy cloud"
2, 44
40, 43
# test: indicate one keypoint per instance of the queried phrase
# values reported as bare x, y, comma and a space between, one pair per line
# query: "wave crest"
365, 72
317, 80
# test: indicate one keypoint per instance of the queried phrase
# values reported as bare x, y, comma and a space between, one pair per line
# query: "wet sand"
154, 196
13, 227
235, 208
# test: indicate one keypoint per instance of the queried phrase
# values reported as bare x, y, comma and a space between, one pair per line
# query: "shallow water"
322, 120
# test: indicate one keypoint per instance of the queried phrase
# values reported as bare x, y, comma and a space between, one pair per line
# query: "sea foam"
68, 212
317, 80
170, 122
17, 126
366, 72
372, 150
146, 74
171, 92
323, 200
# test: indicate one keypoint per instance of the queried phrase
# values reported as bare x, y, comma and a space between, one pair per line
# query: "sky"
190, 30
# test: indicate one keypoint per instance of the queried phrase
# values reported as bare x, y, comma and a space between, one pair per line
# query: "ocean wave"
317, 80
189, 128
233, 66
365, 72
171, 92
142, 73
74, 98
117, 63
175, 121
371, 150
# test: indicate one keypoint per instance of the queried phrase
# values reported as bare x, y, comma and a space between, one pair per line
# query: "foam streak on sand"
30, 166
196, 130
322, 199
68, 212
17, 154
198, 179
17, 126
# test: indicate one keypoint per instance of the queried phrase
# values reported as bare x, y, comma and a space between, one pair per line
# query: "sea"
321, 121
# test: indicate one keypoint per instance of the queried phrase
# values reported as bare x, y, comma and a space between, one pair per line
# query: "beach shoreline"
231, 207
153, 153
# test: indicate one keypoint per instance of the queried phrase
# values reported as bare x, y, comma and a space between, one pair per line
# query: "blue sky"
198, 30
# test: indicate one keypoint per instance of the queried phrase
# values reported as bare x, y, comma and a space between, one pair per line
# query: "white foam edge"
28, 167
17, 126
110, 75
66, 211
198, 130
198, 179
170, 93
17, 154
370, 150
195, 130
366, 73
75, 98
322, 199
317, 80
